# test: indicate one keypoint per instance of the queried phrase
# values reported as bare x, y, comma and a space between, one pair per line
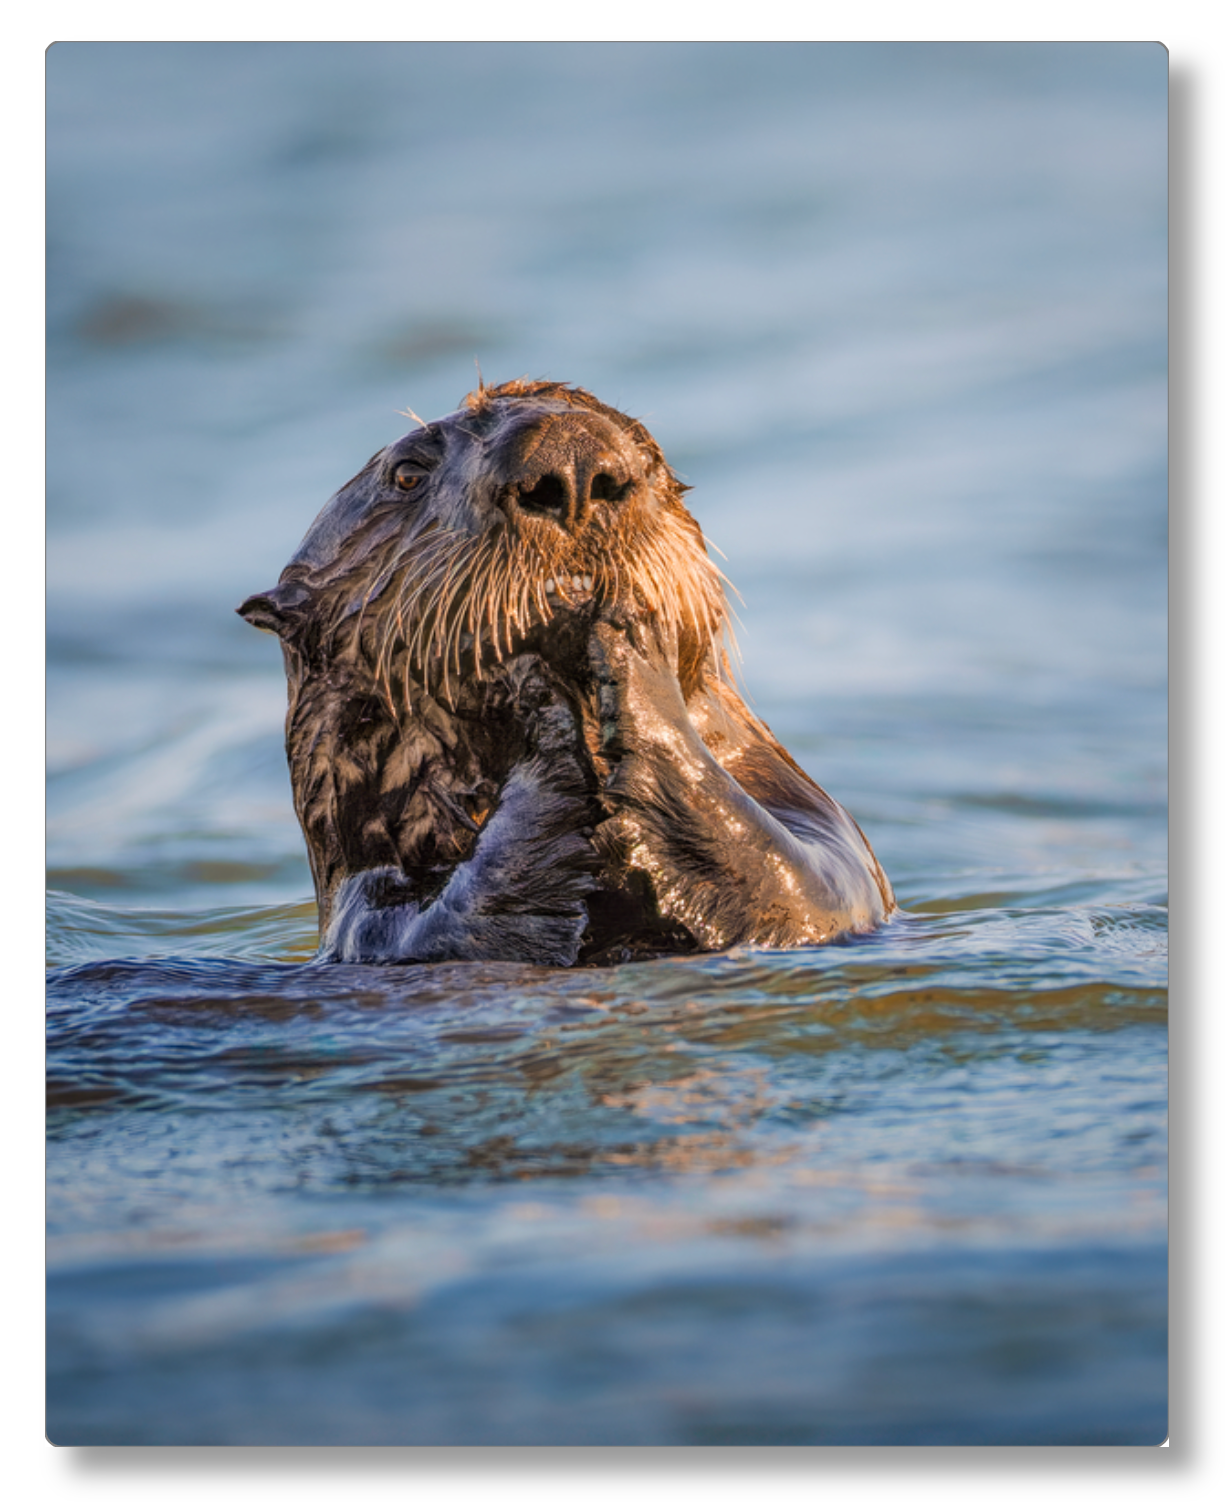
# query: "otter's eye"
407, 477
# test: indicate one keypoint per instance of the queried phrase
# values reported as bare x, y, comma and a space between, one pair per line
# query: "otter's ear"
278, 610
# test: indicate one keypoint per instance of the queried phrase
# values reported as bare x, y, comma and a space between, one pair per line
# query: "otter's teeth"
466, 640
563, 585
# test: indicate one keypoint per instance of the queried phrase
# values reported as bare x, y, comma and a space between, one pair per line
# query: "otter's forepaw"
544, 710
372, 919
641, 707
529, 683
522, 893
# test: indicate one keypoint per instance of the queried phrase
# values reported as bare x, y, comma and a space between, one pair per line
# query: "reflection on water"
508, 1181
898, 315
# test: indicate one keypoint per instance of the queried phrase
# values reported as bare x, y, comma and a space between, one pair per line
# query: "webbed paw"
520, 895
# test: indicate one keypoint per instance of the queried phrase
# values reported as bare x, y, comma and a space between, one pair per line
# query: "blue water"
898, 314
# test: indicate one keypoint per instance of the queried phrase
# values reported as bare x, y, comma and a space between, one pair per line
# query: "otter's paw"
641, 707
373, 918
521, 894
541, 704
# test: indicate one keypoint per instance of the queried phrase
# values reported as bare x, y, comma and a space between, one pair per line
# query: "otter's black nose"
567, 496
563, 465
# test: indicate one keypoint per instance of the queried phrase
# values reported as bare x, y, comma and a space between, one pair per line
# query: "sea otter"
511, 729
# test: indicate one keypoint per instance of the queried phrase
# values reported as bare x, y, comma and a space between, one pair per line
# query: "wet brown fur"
407, 644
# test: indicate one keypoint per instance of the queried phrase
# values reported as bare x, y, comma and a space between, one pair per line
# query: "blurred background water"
898, 314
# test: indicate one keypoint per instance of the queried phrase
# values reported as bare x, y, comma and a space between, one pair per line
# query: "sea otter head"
467, 558
508, 526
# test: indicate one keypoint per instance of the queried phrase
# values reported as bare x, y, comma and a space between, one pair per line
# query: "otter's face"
509, 525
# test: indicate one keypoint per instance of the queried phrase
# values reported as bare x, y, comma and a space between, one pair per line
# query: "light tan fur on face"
457, 596
456, 590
